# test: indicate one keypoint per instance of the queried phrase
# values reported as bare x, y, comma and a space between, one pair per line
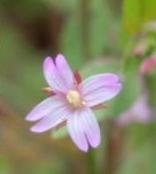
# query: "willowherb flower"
71, 101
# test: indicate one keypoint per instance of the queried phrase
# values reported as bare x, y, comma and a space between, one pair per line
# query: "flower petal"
45, 107
52, 75
50, 121
100, 88
140, 112
76, 132
64, 70
90, 127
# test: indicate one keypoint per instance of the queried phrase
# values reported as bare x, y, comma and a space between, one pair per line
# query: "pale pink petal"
52, 75
50, 121
75, 129
140, 112
90, 127
64, 70
125, 118
100, 88
45, 107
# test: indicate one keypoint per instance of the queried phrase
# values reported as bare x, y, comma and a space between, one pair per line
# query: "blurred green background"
95, 36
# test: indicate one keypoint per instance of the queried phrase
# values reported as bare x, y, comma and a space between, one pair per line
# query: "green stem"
114, 148
91, 162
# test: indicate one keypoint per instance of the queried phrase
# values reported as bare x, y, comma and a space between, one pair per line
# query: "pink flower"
139, 112
72, 102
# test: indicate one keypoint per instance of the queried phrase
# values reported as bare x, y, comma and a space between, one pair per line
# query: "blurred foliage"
136, 13
138, 148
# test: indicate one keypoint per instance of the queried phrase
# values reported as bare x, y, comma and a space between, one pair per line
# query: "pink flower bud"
147, 65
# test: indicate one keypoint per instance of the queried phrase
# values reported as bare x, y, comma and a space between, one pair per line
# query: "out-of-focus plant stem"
91, 162
114, 148
126, 55
85, 27
151, 86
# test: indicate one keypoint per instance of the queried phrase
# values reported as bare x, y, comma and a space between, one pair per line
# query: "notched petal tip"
47, 61
60, 58
52, 75
64, 70
83, 149
48, 58
95, 144
60, 55
76, 133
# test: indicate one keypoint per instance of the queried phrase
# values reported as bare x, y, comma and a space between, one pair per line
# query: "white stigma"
73, 97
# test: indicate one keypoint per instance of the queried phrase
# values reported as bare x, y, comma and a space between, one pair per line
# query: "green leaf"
102, 28
149, 10
132, 15
71, 42
136, 13
139, 144
20, 71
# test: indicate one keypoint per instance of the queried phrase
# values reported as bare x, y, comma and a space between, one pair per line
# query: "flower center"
73, 97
